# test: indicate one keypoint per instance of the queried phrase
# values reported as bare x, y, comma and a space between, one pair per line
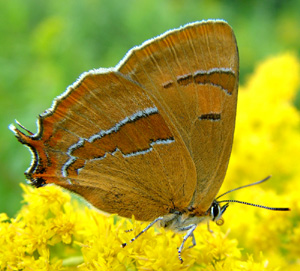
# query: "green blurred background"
46, 45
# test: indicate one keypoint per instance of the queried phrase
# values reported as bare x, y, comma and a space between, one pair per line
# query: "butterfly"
151, 137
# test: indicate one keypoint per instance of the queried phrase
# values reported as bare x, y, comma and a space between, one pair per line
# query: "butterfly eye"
217, 211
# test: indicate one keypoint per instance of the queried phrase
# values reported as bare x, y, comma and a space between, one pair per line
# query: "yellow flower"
267, 141
54, 231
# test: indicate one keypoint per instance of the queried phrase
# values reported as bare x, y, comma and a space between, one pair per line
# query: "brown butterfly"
151, 137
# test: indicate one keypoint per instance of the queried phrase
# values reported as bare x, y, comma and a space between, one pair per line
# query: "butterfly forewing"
192, 73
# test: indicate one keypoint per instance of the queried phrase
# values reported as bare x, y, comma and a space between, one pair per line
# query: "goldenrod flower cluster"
56, 231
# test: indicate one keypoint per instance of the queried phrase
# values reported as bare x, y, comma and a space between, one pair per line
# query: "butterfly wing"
106, 140
192, 73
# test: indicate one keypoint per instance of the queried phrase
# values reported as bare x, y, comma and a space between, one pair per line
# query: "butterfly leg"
208, 228
190, 229
193, 240
149, 226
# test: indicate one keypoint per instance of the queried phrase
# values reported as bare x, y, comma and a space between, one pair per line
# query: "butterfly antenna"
247, 185
256, 205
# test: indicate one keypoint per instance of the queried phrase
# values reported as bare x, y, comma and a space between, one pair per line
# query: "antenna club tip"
282, 209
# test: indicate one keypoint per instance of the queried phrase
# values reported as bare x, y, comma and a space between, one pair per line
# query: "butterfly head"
216, 212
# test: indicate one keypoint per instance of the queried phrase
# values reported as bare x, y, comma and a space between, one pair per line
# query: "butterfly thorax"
178, 221
181, 221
